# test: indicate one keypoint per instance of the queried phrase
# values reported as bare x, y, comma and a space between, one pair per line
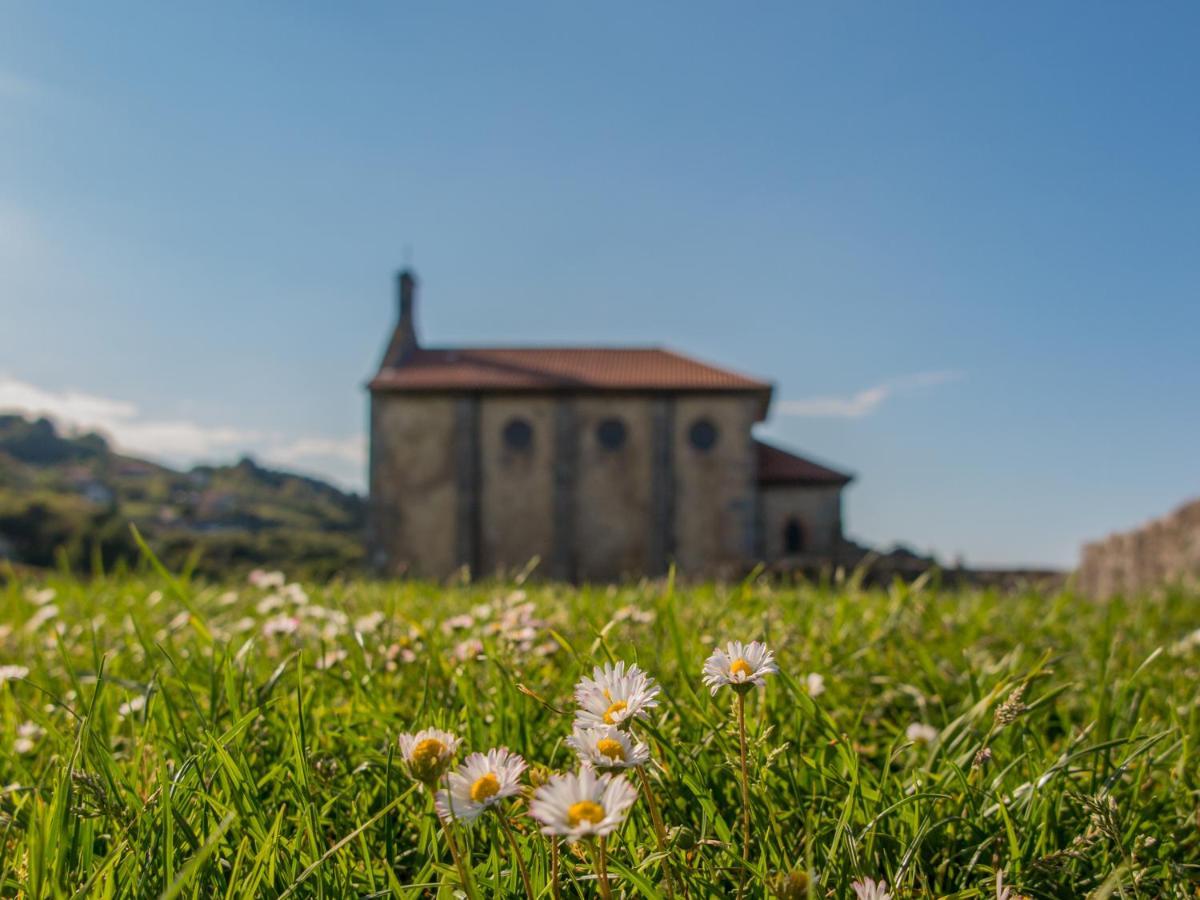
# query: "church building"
598, 463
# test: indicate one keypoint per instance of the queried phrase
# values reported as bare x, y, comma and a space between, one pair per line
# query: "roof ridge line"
550, 348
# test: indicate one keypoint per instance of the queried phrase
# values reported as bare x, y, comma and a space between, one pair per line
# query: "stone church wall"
517, 486
715, 490
612, 508
818, 509
448, 491
1161, 552
412, 485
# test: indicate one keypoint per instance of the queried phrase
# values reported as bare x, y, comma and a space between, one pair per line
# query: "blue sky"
961, 238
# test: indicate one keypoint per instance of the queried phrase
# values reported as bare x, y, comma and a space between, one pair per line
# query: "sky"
961, 239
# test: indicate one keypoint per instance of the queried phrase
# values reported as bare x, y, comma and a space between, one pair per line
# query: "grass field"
167, 738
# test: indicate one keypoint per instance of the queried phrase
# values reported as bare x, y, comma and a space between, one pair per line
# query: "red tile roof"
558, 368
776, 466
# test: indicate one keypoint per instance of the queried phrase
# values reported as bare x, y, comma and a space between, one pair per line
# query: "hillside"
74, 495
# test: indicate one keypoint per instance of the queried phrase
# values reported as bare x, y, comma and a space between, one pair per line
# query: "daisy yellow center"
585, 811
485, 788
427, 752
740, 667
610, 714
612, 749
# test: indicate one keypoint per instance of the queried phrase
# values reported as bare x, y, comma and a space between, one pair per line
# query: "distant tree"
39, 443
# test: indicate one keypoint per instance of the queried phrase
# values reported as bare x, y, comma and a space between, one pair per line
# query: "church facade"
596, 463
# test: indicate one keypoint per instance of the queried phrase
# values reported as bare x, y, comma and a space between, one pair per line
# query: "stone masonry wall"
715, 490
612, 513
447, 491
1164, 551
413, 491
818, 509
517, 486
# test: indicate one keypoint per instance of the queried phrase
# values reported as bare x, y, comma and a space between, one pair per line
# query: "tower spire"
404, 340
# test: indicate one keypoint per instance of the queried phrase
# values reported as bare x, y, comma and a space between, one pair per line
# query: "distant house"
85, 483
98, 493
135, 468
601, 462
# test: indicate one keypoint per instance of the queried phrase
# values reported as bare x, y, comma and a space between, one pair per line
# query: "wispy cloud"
181, 441
864, 402
351, 449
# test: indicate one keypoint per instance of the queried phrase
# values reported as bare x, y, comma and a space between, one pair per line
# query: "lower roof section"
779, 466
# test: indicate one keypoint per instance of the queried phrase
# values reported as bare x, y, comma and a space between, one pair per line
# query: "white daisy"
608, 747
739, 666
12, 673
132, 707
614, 695
281, 624
370, 622
814, 683
28, 735
42, 597
331, 658
428, 753
633, 614
870, 889
466, 650
920, 733
583, 804
483, 780
43, 615
261, 578
454, 623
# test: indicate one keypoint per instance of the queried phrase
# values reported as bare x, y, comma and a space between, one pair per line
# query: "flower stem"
741, 715
467, 884
602, 871
516, 852
555, 891
659, 830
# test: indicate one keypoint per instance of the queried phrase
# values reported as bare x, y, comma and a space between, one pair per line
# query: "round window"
703, 434
611, 434
518, 434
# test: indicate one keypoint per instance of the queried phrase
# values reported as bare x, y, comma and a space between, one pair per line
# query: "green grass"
265, 765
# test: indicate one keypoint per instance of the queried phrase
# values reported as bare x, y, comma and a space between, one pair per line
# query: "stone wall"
611, 509
1164, 551
817, 508
715, 490
413, 491
517, 486
447, 491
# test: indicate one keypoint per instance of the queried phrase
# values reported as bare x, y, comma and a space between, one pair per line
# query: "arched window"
703, 434
518, 434
611, 434
793, 537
